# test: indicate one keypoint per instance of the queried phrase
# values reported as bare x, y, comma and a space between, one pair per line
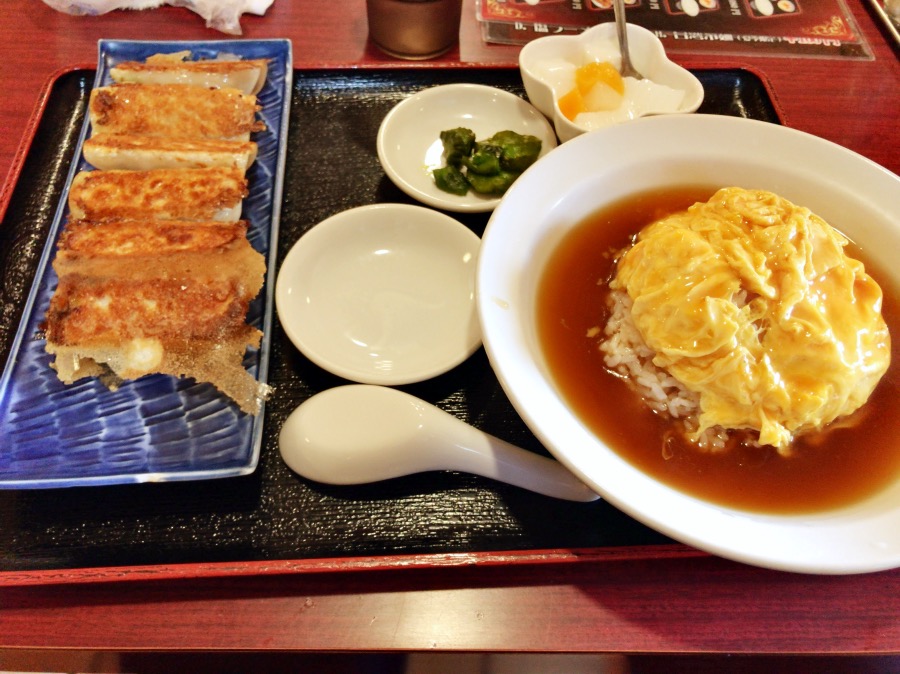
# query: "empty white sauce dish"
382, 294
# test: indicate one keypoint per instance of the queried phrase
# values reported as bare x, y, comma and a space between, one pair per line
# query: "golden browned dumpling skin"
166, 194
751, 302
174, 110
124, 329
246, 75
152, 296
113, 151
156, 273
161, 248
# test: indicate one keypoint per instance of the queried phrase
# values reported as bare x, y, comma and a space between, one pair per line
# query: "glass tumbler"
414, 29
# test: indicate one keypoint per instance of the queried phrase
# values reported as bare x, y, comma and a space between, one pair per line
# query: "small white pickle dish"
382, 294
410, 148
548, 65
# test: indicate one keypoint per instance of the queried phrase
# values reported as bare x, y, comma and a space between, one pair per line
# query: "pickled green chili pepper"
451, 179
517, 152
458, 144
488, 166
495, 184
483, 163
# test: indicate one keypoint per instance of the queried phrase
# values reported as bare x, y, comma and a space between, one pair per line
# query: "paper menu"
812, 28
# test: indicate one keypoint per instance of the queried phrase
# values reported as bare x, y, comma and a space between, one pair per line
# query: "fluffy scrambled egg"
751, 302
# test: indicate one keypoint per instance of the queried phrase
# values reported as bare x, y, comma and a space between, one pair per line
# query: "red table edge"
164, 572
82, 583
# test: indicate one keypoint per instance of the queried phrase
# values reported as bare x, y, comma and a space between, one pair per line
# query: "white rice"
628, 356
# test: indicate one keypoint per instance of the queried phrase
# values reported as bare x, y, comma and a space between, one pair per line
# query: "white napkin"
893, 10
222, 15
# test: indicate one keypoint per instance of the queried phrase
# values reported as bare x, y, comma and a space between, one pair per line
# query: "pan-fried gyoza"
246, 75
168, 194
141, 297
156, 271
174, 110
110, 151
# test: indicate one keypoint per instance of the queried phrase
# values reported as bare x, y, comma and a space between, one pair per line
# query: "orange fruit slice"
595, 72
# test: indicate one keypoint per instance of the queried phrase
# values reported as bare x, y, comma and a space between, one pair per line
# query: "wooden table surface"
685, 603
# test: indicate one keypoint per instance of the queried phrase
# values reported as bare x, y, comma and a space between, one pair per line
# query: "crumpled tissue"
222, 15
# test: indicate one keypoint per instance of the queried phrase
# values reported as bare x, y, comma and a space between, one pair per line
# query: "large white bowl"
602, 167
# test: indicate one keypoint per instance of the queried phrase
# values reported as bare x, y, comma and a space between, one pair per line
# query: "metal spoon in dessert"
626, 69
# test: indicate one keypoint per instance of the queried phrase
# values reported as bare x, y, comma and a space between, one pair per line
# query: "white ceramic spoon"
363, 433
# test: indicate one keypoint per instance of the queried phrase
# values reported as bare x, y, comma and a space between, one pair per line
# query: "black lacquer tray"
273, 514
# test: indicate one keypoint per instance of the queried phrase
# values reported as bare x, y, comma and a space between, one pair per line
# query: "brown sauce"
836, 467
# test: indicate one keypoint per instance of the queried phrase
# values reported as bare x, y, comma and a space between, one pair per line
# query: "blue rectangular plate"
157, 428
